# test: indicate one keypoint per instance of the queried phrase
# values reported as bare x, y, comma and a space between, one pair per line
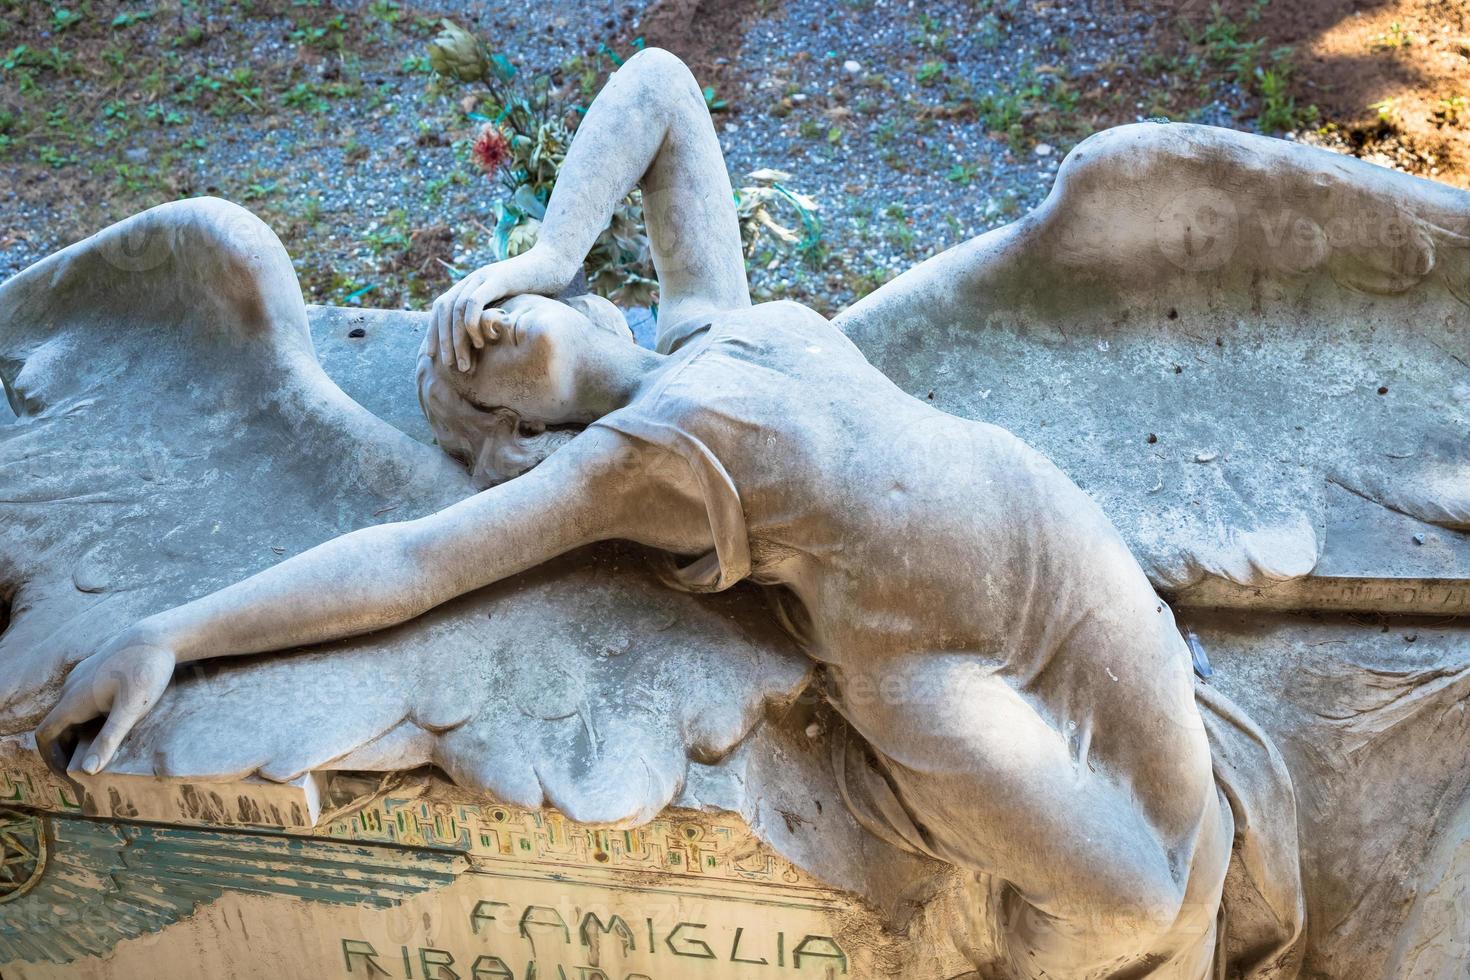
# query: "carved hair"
496, 443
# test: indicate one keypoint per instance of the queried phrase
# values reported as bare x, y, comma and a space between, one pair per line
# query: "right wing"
176, 433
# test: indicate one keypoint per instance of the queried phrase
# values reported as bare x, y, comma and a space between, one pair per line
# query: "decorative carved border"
704, 846
22, 852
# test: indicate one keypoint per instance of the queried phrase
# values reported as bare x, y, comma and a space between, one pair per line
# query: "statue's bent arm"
649, 126
366, 580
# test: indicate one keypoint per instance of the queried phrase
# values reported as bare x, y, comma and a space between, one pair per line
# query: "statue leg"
981, 779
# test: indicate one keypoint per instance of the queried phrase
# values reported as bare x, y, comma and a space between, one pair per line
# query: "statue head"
531, 389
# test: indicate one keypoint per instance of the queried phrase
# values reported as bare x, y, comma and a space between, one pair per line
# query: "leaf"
766, 174
522, 237
526, 201
501, 67
505, 221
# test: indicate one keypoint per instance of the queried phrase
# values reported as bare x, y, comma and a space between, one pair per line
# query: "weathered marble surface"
177, 436
1242, 300
1275, 457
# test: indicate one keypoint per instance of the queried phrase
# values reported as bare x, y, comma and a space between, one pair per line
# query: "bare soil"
706, 34
916, 124
1391, 78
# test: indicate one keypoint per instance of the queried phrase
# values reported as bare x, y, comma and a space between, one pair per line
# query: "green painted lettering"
436, 963
543, 915
703, 950
823, 947
615, 925
482, 912
364, 949
489, 967
735, 956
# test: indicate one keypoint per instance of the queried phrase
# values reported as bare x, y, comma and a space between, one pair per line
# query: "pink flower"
491, 149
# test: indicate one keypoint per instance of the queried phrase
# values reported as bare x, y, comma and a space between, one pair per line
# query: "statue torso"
871, 505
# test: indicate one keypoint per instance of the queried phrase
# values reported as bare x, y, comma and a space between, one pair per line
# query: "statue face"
543, 367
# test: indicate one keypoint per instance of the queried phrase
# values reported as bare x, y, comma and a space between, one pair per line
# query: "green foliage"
1449, 111
54, 158
963, 173
456, 53
1265, 74
327, 35
192, 37
932, 35
391, 235
585, 71
304, 96
524, 136
1279, 110
130, 17
864, 283
930, 73
1397, 36
63, 19
386, 11
259, 189
1388, 111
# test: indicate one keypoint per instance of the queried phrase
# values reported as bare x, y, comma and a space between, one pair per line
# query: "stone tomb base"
412, 887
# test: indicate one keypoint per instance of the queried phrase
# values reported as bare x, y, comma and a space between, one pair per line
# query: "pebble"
832, 51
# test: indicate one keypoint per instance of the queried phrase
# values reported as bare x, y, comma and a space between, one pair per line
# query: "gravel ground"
898, 181
914, 125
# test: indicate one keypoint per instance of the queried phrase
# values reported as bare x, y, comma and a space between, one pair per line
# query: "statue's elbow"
662, 76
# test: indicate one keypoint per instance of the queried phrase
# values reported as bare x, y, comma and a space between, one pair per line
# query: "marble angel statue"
1018, 699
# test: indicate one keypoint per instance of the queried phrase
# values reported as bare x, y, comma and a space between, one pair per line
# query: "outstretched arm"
649, 126
363, 581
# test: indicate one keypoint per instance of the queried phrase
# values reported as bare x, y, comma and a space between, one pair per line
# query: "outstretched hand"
456, 330
120, 682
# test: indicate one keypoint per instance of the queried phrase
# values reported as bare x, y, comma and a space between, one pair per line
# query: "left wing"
1215, 334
